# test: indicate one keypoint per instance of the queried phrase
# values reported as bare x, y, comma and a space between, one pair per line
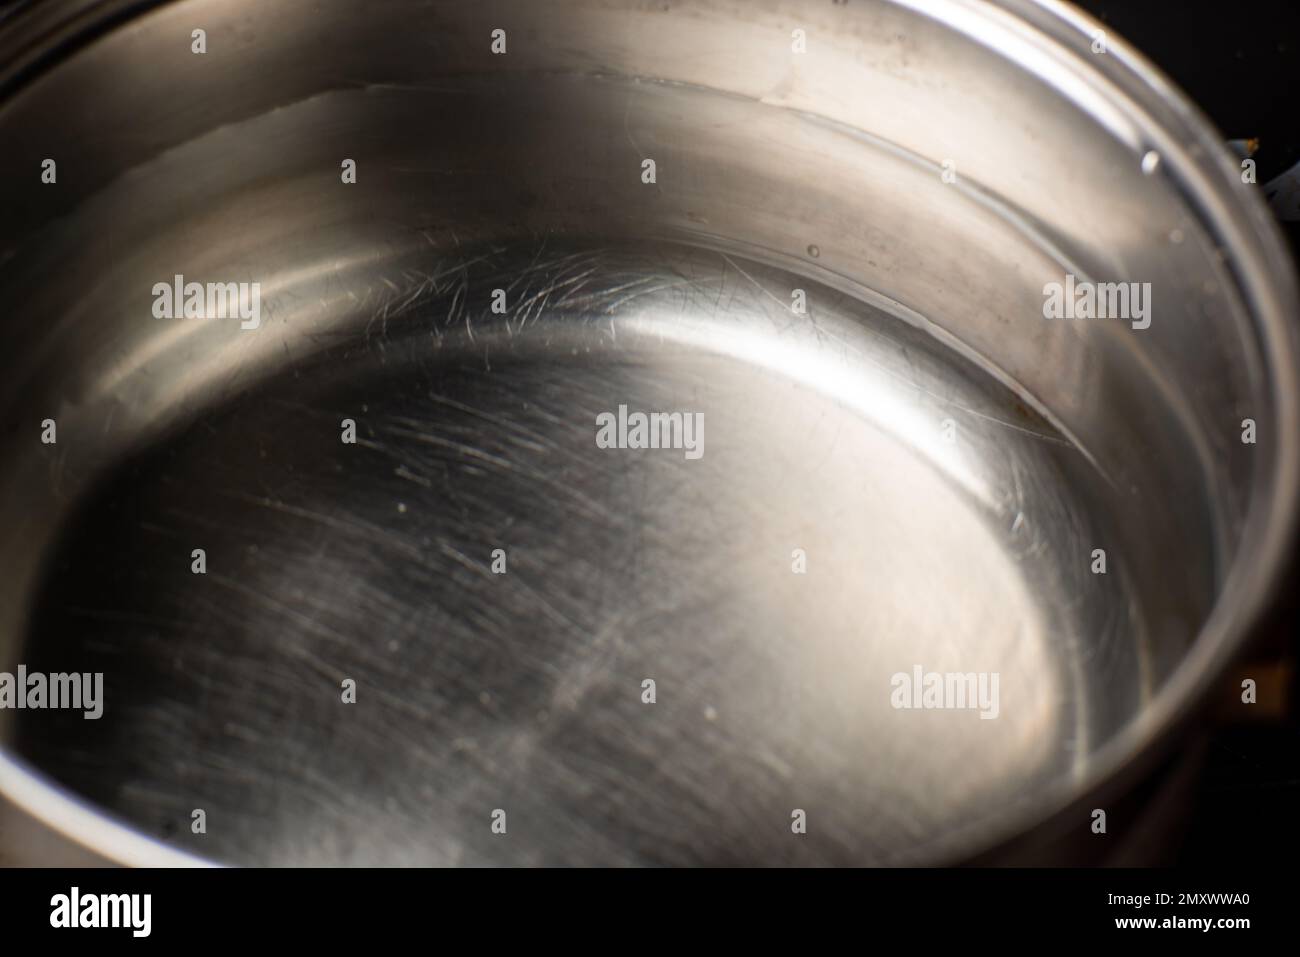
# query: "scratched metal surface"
523, 691
946, 459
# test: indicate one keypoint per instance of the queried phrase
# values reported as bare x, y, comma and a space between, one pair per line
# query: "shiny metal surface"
944, 458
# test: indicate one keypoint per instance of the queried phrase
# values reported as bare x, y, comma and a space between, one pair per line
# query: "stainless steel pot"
829, 234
